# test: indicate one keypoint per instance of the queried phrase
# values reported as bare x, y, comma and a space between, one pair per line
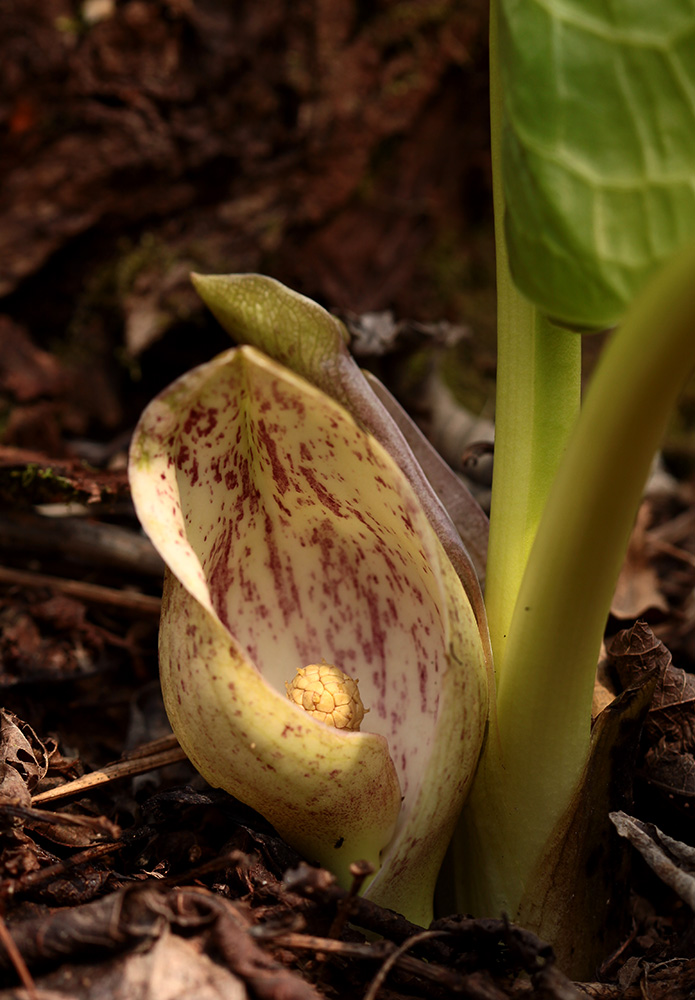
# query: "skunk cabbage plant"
292, 537
593, 155
304, 521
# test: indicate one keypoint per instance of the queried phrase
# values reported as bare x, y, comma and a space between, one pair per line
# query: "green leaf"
598, 148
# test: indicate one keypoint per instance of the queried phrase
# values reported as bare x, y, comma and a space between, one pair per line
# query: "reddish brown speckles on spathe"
200, 422
286, 591
322, 494
310, 548
278, 472
287, 401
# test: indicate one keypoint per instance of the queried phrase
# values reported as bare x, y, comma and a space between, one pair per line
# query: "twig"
359, 870
217, 864
80, 539
91, 593
312, 883
389, 963
266, 978
31, 879
148, 757
17, 960
99, 824
468, 985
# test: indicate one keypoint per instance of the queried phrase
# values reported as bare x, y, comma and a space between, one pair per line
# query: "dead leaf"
672, 860
159, 966
669, 729
21, 752
605, 690
13, 790
171, 969
636, 652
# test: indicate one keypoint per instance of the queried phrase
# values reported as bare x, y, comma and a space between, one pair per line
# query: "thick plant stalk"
537, 751
538, 395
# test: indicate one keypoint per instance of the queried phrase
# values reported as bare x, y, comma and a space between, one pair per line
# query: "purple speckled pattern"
298, 539
304, 557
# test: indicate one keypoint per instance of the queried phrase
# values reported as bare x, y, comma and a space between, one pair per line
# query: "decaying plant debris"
261, 920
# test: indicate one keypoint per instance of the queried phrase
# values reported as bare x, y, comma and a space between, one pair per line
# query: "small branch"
15, 956
80, 539
316, 883
153, 755
30, 880
389, 963
42, 817
90, 593
360, 870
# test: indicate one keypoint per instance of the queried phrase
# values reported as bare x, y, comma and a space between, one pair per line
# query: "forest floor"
343, 151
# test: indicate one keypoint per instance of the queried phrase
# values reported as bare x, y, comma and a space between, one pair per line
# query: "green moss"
31, 472
33, 484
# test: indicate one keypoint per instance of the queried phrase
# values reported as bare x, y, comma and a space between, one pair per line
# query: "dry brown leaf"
171, 969
671, 860
669, 730
23, 758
